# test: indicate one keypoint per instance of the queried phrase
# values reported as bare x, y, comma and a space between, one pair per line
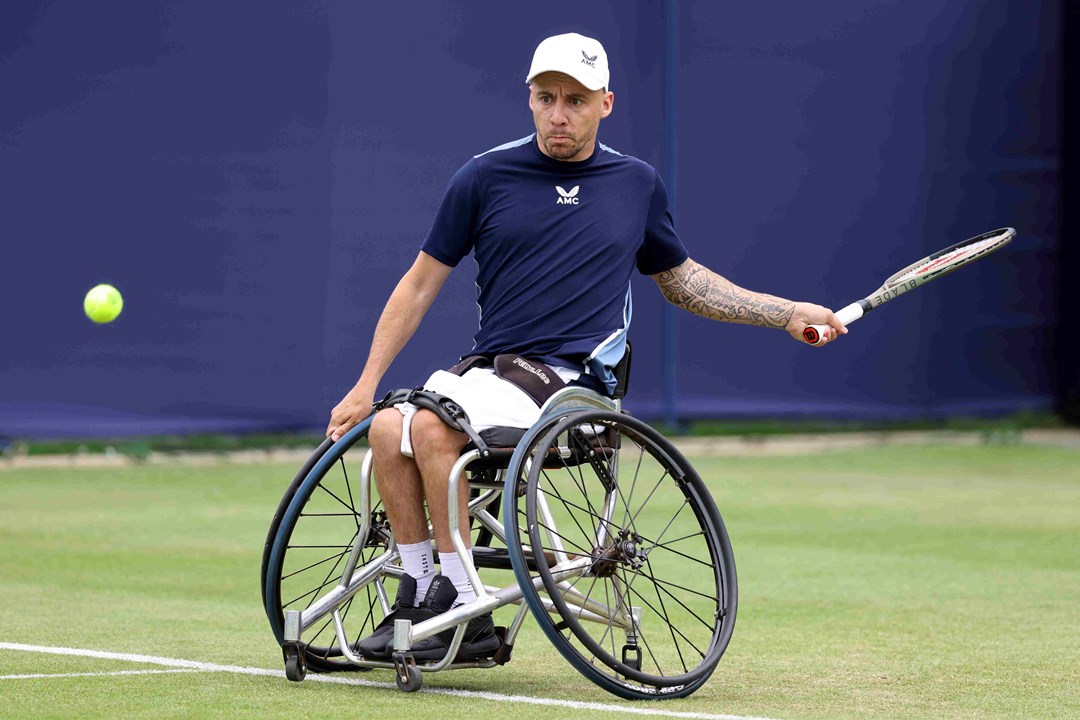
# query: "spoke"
673, 518
567, 504
312, 592
588, 595
369, 617
662, 613
641, 636
314, 564
326, 580
575, 506
633, 484
607, 629
691, 558
348, 488
660, 585
320, 632
339, 500
667, 584
675, 629
584, 552
577, 474
649, 497
329, 514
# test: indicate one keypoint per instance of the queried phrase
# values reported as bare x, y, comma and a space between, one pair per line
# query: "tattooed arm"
703, 292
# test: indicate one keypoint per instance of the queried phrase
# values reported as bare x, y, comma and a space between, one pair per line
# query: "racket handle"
815, 334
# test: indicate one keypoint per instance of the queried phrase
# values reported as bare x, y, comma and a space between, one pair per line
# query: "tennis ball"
103, 303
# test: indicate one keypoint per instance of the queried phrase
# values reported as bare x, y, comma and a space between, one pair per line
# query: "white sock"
455, 572
418, 561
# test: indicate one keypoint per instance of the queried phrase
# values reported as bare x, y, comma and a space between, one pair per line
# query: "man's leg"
402, 493
438, 447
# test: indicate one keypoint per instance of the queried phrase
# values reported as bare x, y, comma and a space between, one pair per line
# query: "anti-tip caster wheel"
295, 665
407, 675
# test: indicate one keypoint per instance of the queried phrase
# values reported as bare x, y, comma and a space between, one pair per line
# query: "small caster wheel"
411, 680
406, 674
295, 665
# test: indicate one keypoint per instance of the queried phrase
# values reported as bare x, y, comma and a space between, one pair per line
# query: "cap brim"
589, 82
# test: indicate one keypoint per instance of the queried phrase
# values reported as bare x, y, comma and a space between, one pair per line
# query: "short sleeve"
452, 232
662, 249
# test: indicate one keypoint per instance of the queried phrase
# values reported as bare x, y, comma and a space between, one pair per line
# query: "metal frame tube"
452, 511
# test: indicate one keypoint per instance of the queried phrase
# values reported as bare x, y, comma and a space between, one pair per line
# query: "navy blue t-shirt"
555, 244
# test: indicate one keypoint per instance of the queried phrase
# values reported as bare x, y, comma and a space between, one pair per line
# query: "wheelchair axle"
625, 550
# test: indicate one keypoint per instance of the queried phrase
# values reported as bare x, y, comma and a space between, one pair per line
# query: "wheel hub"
626, 549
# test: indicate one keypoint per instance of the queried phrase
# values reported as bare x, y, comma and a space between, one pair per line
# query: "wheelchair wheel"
634, 577
308, 545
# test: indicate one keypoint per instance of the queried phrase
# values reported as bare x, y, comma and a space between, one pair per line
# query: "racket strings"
951, 260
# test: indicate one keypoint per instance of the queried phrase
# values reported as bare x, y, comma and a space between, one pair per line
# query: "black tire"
309, 540
666, 552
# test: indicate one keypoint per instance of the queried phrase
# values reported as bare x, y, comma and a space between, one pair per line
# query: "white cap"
580, 57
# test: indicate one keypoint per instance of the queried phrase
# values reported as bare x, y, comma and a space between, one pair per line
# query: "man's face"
567, 115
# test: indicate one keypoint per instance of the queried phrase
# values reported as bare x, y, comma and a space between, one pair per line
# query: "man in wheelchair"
557, 223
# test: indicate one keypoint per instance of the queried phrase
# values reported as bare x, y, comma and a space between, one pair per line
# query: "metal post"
669, 336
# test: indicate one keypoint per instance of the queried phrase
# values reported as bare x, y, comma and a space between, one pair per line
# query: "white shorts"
487, 399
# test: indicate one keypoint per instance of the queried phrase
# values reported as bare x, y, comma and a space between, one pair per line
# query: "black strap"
536, 379
448, 411
467, 364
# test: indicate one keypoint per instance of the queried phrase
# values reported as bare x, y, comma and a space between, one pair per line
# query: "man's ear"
608, 103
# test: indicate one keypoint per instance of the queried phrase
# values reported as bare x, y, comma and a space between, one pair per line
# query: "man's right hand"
353, 408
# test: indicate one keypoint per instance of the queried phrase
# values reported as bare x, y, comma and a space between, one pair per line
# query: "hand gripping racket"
916, 274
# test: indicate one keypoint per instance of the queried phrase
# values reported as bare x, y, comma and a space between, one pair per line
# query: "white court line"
96, 674
494, 697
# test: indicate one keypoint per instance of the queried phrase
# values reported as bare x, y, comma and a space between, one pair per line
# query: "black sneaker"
479, 641
379, 644
440, 596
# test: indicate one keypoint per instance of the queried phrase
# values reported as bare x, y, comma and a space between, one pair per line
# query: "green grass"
1001, 425
141, 447
895, 582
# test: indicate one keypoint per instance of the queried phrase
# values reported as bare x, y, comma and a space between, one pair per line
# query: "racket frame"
909, 278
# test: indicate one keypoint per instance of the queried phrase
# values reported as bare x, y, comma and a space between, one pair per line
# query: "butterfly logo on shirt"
567, 197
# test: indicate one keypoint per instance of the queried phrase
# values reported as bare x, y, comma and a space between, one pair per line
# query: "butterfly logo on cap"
590, 61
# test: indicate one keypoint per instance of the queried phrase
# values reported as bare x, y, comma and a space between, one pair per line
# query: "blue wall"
255, 178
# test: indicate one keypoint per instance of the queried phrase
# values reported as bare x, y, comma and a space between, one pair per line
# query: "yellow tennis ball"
103, 303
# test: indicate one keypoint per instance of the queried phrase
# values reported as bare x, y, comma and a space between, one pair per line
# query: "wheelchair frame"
566, 405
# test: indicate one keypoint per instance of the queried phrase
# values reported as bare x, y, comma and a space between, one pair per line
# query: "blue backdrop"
255, 177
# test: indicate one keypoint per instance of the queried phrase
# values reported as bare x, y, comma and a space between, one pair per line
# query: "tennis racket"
916, 274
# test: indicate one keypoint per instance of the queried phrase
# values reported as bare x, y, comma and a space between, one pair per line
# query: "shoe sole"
477, 650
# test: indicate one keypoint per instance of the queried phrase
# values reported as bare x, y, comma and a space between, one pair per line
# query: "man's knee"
430, 432
385, 431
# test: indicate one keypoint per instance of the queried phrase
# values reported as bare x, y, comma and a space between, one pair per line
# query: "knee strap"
445, 408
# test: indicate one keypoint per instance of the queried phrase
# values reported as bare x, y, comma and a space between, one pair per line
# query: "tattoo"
703, 292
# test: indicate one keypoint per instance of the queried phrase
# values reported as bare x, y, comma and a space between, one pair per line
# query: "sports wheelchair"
615, 546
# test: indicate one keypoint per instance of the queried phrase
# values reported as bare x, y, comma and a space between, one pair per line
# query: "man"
557, 223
